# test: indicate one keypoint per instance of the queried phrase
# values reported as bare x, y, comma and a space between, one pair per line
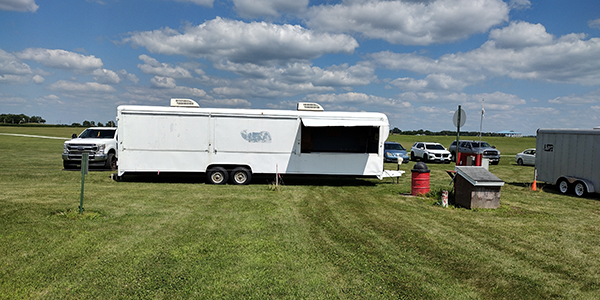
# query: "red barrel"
420, 179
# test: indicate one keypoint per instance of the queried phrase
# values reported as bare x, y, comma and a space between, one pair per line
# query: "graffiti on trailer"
256, 137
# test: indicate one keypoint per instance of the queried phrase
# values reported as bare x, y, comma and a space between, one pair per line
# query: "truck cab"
99, 142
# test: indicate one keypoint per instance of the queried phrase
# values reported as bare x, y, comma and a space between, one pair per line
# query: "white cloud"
589, 98
303, 73
594, 23
256, 42
352, 101
37, 79
131, 77
70, 86
61, 59
273, 8
106, 76
154, 67
411, 23
207, 3
519, 51
11, 79
162, 82
519, 35
431, 82
519, 4
19, 5
10, 64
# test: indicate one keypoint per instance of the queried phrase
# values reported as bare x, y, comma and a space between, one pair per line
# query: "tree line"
443, 132
15, 119
87, 123
20, 119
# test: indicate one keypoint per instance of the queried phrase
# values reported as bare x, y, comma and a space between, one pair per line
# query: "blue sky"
531, 64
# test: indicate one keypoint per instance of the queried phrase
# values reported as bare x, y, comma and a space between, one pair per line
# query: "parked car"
394, 151
527, 157
430, 152
476, 147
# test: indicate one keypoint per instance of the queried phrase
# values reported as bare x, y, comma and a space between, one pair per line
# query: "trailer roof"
309, 116
568, 131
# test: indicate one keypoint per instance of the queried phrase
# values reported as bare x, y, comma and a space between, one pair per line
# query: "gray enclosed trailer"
569, 158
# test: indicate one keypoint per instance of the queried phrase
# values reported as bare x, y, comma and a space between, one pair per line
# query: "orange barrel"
420, 179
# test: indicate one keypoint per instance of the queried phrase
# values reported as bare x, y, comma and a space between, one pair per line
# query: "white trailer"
230, 145
569, 158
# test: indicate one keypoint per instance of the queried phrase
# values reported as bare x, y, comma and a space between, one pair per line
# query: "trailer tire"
580, 189
240, 176
217, 175
563, 186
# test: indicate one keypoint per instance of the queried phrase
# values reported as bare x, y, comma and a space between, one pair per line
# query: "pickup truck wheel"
580, 189
412, 156
240, 176
217, 175
111, 162
68, 166
563, 186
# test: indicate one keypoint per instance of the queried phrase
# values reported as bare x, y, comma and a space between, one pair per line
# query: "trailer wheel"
580, 189
217, 175
563, 186
241, 176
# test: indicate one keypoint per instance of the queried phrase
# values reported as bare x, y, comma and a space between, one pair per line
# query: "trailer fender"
589, 186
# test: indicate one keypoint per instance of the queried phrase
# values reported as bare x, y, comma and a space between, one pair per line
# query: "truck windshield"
482, 145
97, 134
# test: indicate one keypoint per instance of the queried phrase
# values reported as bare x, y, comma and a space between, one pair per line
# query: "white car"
430, 152
527, 157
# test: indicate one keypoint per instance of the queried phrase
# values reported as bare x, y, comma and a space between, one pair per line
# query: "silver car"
527, 157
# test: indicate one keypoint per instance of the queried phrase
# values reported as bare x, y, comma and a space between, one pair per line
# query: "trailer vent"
309, 106
176, 102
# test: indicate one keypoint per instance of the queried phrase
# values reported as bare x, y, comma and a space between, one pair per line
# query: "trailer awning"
309, 122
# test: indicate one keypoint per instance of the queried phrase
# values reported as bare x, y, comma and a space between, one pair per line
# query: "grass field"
164, 237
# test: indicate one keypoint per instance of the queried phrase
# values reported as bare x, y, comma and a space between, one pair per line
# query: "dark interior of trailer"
357, 139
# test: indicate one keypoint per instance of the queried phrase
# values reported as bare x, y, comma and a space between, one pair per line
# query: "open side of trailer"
230, 145
570, 159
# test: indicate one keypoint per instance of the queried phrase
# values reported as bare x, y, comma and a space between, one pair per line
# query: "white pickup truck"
99, 142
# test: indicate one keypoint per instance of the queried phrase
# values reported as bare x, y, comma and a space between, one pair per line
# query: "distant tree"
37, 119
111, 124
76, 125
100, 124
87, 123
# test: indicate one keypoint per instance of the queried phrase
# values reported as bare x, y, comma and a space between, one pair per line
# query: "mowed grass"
176, 237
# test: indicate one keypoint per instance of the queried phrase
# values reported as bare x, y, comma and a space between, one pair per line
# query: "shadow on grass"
296, 180
552, 189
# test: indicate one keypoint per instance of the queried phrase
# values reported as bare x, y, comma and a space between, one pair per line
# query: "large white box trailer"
230, 145
569, 158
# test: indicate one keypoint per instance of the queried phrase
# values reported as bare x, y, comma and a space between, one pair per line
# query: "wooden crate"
476, 187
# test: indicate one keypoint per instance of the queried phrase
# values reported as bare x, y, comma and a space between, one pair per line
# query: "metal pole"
457, 136
84, 170
481, 122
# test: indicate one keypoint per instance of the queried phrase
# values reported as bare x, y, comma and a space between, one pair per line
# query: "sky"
526, 64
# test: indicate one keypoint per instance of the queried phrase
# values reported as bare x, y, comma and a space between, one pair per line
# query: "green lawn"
161, 237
